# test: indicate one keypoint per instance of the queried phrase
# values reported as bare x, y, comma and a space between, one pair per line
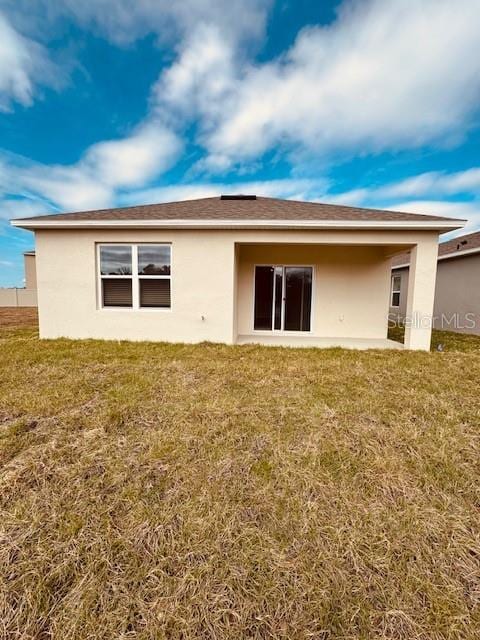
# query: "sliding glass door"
283, 298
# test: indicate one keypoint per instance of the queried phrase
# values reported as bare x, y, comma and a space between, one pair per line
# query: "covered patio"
327, 294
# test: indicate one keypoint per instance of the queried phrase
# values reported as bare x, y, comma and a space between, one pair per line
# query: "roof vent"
237, 197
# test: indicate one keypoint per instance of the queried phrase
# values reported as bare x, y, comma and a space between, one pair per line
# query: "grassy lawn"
156, 491
445, 340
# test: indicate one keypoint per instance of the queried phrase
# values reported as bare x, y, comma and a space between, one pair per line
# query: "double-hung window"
135, 276
396, 289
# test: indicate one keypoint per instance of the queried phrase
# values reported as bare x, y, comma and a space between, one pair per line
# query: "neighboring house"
30, 270
25, 296
232, 269
457, 290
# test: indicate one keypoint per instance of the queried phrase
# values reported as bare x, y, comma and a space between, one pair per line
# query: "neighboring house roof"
455, 248
240, 212
29, 253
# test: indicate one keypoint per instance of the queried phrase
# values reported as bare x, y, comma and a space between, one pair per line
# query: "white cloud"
46, 189
22, 208
68, 188
124, 21
469, 211
437, 208
432, 186
23, 64
439, 183
384, 75
134, 160
433, 183
105, 168
109, 167
200, 79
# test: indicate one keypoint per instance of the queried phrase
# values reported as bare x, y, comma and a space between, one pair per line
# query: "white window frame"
135, 276
393, 290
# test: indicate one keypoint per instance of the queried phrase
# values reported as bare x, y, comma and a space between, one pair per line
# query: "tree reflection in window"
154, 260
116, 260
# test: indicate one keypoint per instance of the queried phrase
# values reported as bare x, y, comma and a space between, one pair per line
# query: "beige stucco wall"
352, 282
457, 295
30, 271
343, 281
202, 284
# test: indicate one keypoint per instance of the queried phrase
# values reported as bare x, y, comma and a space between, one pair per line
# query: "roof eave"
428, 225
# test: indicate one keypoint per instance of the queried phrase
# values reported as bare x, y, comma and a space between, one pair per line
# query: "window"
135, 276
396, 288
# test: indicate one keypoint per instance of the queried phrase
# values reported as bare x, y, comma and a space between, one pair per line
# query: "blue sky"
117, 102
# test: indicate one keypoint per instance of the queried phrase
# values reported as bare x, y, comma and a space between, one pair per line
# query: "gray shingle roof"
257, 209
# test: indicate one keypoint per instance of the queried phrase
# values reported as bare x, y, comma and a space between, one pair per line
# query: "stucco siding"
212, 282
457, 295
30, 271
202, 285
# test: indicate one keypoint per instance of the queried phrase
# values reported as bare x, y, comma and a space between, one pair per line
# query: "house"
233, 269
30, 270
22, 296
457, 291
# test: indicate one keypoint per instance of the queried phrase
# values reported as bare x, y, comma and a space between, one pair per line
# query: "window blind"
117, 292
154, 292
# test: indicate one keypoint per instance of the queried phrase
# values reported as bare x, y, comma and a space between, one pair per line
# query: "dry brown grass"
157, 491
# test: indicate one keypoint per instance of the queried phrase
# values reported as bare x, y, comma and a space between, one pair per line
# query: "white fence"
13, 297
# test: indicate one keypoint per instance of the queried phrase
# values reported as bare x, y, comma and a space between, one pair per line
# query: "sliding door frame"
282, 322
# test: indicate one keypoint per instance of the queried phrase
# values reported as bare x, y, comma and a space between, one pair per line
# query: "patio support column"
421, 293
